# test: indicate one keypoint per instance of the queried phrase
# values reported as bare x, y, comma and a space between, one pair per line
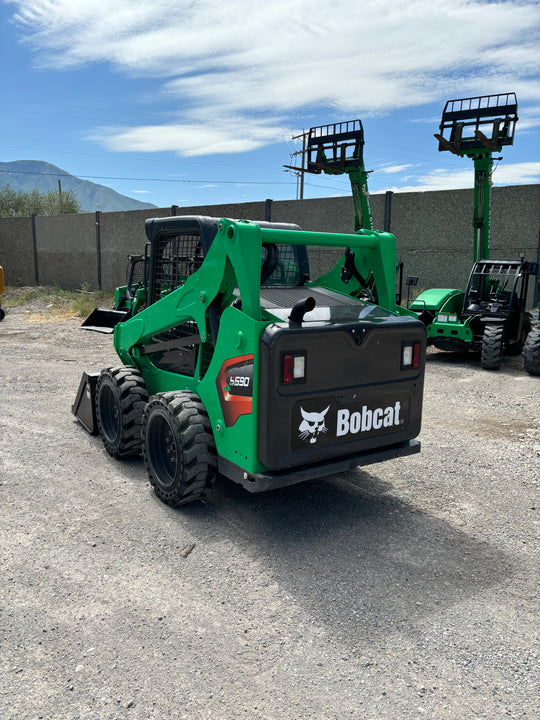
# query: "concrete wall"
17, 251
435, 236
66, 250
433, 231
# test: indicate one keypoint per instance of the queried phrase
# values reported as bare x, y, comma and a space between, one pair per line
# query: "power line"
138, 179
171, 180
110, 111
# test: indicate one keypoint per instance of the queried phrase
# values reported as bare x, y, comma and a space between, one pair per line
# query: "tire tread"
133, 398
531, 351
199, 460
492, 346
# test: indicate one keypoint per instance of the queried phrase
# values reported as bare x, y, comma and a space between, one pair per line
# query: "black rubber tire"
492, 346
516, 348
178, 447
531, 351
121, 397
2, 314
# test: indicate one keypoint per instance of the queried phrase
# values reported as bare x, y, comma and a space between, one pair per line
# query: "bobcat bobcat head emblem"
312, 425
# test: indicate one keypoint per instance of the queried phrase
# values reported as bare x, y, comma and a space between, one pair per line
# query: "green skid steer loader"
234, 361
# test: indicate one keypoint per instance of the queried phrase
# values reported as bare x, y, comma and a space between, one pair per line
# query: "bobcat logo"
312, 425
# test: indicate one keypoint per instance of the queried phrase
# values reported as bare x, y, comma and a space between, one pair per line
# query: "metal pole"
98, 248
303, 165
34, 245
387, 210
536, 299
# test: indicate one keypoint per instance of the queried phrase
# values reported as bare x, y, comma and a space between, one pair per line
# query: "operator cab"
497, 287
177, 247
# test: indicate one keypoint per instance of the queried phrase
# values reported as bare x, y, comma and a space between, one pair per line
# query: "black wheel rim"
109, 413
162, 450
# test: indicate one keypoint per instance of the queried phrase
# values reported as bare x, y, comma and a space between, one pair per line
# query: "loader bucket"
84, 407
103, 320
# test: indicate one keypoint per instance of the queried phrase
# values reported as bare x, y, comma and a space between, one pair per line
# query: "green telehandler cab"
490, 315
234, 361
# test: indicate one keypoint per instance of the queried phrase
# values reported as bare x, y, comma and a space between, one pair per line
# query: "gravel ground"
404, 592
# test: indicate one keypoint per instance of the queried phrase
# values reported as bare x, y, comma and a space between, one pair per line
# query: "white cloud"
229, 60
390, 169
190, 140
529, 119
433, 120
516, 174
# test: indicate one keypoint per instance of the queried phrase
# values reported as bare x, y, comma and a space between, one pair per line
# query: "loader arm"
236, 249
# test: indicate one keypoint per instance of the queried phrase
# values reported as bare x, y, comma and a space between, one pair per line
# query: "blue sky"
195, 102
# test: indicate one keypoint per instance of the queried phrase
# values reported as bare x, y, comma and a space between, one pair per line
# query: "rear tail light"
416, 354
287, 374
293, 368
410, 355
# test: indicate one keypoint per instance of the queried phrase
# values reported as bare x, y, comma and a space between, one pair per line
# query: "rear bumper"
260, 482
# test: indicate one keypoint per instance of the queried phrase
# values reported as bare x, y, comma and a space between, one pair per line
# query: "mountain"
25, 175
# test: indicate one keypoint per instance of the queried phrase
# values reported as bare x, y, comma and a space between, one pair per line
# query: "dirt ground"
405, 591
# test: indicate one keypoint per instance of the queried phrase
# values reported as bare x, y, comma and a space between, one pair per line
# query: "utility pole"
299, 171
60, 194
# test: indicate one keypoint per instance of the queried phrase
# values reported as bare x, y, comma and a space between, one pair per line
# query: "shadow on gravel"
360, 561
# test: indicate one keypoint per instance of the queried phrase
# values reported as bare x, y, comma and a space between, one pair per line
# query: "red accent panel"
233, 405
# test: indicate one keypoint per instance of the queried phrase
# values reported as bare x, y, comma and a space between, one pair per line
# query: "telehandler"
490, 315
234, 361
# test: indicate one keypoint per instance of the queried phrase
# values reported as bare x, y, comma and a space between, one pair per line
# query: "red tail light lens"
288, 364
293, 367
417, 349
